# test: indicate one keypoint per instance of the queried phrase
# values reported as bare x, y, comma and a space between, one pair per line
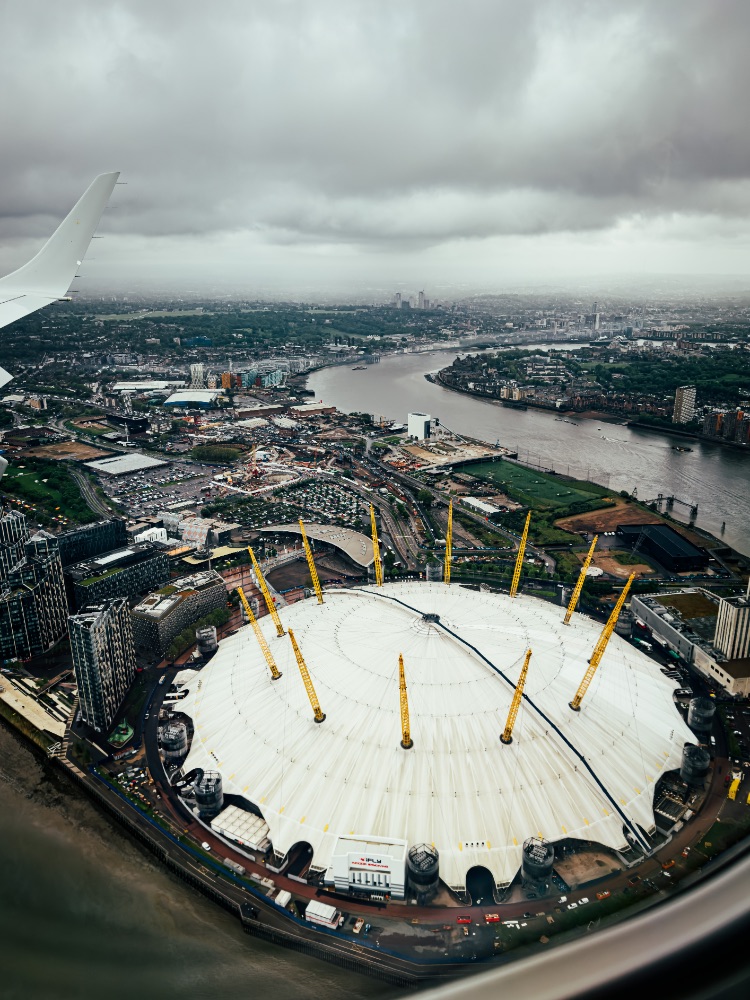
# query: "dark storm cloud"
384, 124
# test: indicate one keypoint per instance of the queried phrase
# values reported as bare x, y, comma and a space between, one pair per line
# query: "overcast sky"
346, 145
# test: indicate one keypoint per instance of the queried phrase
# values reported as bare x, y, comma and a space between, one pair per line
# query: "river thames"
85, 913
715, 478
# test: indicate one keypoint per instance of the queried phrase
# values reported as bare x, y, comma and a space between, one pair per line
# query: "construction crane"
318, 713
579, 583
600, 647
507, 736
406, 741
376, 549
275, 672
519, 557
311, 563
448, 546
266, 594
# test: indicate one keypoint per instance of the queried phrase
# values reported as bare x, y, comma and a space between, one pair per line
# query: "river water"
622, 458
85, 913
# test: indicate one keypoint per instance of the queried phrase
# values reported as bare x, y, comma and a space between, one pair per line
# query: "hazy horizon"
354, 145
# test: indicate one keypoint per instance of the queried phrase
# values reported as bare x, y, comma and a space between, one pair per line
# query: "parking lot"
143, 493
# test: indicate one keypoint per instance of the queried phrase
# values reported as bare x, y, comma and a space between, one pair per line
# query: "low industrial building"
125, 572
666, 545
123, 465
370, 866
311, 409
487, 510
688, 622
202, 399
161, 616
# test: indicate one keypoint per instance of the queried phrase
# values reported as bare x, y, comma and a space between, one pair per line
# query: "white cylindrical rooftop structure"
588, 774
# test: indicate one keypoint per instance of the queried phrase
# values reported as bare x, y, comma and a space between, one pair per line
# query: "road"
89, 493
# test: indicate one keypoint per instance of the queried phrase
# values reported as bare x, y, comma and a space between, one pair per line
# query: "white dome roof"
584, 774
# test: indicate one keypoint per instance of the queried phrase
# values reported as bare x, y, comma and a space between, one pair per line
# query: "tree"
425, 498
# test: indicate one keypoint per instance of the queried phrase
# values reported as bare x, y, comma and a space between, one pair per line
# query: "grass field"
46, 490
538, 490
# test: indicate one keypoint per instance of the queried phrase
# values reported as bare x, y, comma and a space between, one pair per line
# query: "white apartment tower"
684, 404
732, 636
197, 377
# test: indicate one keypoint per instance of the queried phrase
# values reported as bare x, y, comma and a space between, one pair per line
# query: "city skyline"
359, 146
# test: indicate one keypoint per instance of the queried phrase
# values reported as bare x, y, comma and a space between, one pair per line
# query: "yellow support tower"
448, 545
406, 741
519, 557
318, 713
266, 594
311, 563
732, 793
601, 646
376, 549
579, 583
275, 672
507, 736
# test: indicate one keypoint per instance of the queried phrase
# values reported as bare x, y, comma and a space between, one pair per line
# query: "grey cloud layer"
378, 123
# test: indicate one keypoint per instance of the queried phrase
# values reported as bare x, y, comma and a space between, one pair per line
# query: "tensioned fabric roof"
587, 774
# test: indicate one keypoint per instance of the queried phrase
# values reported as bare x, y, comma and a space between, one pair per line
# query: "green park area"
46, 491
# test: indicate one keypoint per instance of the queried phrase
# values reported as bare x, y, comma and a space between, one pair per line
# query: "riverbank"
257, 914
598, 415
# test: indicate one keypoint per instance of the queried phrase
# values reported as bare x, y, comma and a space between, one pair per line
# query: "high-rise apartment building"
89, 540
33, 607
684, 404
13, 534
101, 641
125, 572
732, 636
197, 377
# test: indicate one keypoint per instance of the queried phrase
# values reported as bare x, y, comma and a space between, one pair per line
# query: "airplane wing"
47, 276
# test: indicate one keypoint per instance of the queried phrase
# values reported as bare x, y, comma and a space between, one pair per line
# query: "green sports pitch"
534, 489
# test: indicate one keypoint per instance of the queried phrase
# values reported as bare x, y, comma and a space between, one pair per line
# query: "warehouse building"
666, 545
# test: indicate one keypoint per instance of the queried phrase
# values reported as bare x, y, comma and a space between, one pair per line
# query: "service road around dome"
588, 775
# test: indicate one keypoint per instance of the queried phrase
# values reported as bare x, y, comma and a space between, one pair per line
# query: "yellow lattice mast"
406, 741
507, 736
519, 557
579, 583
601, 646
318, 713
376, 549
448, 545
275, 672
311, 563
266, 594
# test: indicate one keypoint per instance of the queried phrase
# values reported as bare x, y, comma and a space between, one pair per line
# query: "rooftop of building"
118, 465
736, 668
670, 540
354, 544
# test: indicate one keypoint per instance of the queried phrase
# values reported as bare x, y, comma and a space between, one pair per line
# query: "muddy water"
84, 912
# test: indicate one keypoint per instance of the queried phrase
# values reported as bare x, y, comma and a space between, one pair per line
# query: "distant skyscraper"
684, 404
197, 377
101, 640
398, 300
420, 300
